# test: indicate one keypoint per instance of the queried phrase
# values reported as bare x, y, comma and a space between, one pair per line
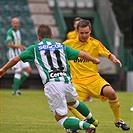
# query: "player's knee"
75, 104
61, 120
28, 70
18, 70
112, 95
71, 103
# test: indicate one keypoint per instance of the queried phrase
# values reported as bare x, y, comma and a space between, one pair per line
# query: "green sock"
72, 123
16, 84
90, 120
23, 77
82, 108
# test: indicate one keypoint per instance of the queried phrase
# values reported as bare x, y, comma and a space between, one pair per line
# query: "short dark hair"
44, 31
84, 23
77, 19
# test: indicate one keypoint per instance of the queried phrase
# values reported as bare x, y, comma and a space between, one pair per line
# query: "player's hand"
22, 48
117, 61
96, 61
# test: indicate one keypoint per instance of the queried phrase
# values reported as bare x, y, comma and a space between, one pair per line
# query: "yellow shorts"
92, 89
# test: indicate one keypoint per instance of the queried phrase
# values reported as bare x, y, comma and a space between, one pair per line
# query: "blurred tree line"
123, 10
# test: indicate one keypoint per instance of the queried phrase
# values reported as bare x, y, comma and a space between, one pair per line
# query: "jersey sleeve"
71, 53
28, 54
9, 37
103, 51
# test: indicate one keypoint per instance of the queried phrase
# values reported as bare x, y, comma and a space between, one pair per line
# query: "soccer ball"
131, 109
71, 130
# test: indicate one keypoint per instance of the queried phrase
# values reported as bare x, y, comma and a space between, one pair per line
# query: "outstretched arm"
9, 64
115, 60
88, 57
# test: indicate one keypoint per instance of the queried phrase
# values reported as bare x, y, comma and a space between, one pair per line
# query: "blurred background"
111, 23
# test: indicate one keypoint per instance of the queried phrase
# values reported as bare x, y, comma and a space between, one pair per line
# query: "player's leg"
74, 124
77, 114
109, 92
82, 98
113, 100
82, 95
78, 111
26, 71
17, 78
56, 94
16, 83
83, 109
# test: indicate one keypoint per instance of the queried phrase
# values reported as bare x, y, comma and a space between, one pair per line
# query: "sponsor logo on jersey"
80, 60
50, 46
57, 74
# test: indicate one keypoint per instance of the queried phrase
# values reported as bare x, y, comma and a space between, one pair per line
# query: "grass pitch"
30, 113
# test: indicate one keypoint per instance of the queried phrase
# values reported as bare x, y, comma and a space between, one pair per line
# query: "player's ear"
39, 38
52, 36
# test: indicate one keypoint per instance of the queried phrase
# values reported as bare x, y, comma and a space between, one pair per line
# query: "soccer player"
51, 59
73, 34
22, 70
85, 76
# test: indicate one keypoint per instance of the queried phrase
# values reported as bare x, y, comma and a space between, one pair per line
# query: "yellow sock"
115, 106
76, 113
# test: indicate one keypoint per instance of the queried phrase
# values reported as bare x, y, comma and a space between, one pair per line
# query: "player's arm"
11, 45
9, 64
106, 53
88, 57
113, 58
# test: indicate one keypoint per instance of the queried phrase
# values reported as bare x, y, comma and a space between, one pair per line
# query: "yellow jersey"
72, 34
82, 69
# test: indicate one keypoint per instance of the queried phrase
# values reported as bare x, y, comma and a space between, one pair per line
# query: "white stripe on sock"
81, 124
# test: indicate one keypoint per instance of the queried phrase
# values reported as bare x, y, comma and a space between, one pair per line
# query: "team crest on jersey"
49, 46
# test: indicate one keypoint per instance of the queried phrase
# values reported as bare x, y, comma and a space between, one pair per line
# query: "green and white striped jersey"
51, 59
15, 38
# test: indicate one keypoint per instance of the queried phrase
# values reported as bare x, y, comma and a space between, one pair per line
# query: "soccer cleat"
122, 124
17, 93
91, 129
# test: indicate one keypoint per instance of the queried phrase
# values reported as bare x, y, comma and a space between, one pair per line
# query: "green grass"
30, 113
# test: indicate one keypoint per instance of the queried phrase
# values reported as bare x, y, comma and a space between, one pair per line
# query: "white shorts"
20, 66
59, 94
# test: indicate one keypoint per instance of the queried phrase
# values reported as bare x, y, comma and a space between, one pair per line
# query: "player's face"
84, 33
15, 25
